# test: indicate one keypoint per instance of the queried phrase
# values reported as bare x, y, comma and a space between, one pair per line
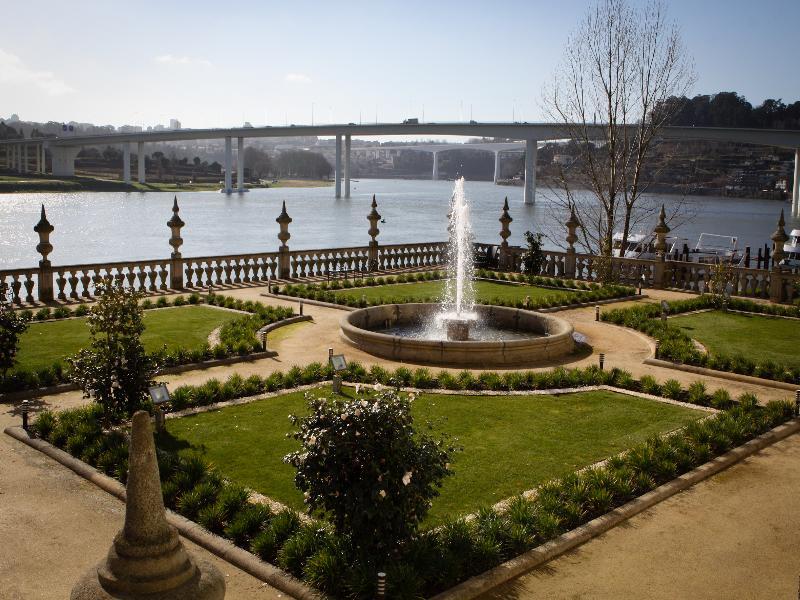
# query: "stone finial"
505, 220
779, 238
373, 217
572, 225
283, 220
175, 224
147, 558
661, 230
44, 229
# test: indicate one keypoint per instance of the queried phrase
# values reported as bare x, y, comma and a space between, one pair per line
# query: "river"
100, 227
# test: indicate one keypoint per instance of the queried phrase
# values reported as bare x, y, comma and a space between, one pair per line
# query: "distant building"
129, 128
563, 159
174, 124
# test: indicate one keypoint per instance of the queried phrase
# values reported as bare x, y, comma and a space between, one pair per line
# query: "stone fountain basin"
358, 328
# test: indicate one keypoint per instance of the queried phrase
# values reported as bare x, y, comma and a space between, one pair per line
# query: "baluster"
151, 275
29, 288
61, 282
73, 285
86, 282
163, 273
131, 276
141, 276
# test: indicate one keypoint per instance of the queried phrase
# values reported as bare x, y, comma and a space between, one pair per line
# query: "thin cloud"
14, 71
298, 78
170, 59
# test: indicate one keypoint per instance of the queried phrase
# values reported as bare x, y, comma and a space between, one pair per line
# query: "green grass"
511, 443
484, 291
756, 337
181, 327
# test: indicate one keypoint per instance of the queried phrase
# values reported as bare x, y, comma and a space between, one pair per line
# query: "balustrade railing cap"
284, 216
44, 226
175, 221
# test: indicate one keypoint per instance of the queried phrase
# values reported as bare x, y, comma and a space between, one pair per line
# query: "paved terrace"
734, 535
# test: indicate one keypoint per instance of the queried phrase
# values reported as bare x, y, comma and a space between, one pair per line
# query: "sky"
212, 64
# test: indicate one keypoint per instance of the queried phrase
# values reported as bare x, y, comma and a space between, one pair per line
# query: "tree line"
728, 109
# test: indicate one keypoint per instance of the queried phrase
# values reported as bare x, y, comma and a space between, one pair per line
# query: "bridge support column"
64, 160
496, 166
337, 170
43, 159
38, 158
530, 171
228, 166
435, 176
796, 187
126, 162
25, 162
240, 165
141, 163
347, 166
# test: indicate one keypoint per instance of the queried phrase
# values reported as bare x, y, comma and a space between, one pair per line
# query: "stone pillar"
147, 557
796, 186
141, 162
337, 171
126, 162
505, 232
778, 238
284, 266
240, 165
228, 166
572, 237
496, 166
64, 160
176, 260
530, 171
435, 176
347, 166
25, 162
661, 230
373, 217
37, 149
44, 247
43, 159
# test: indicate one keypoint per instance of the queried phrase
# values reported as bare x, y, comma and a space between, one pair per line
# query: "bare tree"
620, 68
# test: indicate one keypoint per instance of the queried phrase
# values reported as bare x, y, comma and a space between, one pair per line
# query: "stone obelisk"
147, 559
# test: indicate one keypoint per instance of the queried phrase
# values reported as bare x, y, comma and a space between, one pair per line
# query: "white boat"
639, 245
712, 248
791, 249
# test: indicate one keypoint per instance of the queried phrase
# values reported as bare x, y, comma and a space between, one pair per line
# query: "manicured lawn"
511, 443
484, 291
754, 336
182, 327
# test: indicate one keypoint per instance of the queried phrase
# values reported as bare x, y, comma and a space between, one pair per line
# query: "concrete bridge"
64, 149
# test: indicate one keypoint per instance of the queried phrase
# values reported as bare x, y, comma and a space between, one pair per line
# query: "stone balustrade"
71, 283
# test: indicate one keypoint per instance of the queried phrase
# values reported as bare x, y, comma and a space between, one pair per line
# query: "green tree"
365, 464
533, 257
12, 325
115, 370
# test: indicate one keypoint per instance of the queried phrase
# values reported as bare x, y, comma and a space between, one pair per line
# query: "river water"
100, 227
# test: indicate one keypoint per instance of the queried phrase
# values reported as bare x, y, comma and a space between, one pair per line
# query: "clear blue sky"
221, 63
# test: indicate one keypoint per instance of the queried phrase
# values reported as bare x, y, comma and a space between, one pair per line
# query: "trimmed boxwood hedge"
237, 337
675, 345
435, 559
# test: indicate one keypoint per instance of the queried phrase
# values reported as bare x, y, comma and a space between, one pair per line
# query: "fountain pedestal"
457, 329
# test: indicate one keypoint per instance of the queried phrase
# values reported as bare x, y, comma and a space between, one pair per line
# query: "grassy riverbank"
10, 184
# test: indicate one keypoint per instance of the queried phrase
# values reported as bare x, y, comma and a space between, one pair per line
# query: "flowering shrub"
366, 466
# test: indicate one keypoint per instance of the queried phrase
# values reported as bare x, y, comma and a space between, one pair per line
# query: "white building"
174, 124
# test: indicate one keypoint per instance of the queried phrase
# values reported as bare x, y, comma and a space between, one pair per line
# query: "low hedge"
675, 345
581, 292
435, 559
237, 338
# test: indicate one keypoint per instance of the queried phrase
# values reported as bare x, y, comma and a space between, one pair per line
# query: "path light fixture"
797, 403
210, 290
159, 394
658, 345
381, 588
602, 360
597, 312
301, 308
26, 407
641, 283
664, 311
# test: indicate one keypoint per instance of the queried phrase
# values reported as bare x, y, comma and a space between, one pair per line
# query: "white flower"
447, 466
357, 412
364, 404
312, 440
306, 495
382, 493
412, 396
358, 389
344, 416
407, 477
378, 387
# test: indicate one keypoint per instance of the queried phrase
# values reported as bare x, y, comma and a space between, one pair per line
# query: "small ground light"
658, 344
381, 591
301, 308
24, 410
602, 360
597, 313
797, 403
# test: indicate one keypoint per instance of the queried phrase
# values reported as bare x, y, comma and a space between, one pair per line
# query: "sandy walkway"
55, 525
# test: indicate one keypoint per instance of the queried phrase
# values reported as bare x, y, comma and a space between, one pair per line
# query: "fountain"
458, 331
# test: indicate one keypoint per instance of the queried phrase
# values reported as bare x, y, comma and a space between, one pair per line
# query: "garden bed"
441, 558
757, 344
